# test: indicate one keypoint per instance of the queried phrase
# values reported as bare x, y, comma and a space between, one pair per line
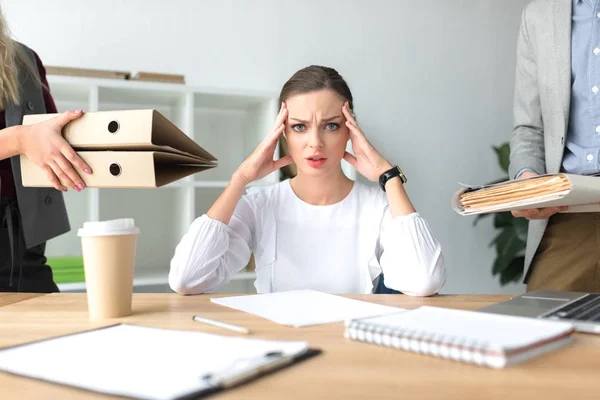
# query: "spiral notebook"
490, 340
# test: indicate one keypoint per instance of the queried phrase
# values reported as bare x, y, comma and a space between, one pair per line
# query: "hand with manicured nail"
366, 159
44, 144
260, 163
536, 213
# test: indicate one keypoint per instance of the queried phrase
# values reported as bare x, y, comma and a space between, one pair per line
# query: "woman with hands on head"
31, 216
319, 230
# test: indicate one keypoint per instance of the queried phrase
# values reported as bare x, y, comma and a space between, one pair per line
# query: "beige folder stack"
579, 192
125, 149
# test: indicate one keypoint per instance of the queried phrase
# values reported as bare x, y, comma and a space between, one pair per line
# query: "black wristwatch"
391, 173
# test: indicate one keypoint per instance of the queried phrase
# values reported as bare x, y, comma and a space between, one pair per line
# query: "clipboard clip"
243, 370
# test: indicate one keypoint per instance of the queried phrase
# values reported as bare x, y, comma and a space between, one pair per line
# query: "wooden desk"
346, 369
10, 298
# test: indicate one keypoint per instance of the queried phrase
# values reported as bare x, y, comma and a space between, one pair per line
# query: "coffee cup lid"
122, 226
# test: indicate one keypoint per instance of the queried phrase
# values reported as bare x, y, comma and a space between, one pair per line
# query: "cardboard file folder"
129, 149
580, 193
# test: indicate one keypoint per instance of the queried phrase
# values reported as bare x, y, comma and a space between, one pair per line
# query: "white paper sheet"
299, 308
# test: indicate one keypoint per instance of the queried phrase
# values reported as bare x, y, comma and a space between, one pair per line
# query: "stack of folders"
490, 340
579, 192
125, 149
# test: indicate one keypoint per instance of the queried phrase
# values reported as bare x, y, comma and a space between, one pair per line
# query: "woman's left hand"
366, 159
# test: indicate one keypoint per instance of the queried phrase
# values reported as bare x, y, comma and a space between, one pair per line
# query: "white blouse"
338, 248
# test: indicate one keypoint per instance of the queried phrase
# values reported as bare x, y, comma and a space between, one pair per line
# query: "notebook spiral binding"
444, 346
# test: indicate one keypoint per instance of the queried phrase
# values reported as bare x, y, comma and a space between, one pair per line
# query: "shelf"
244, 276
145, 98
170, 104
210, 184
132, 85
158, 215
70, 92
223, 102
78, 210
209, 95
204, 199
151, 280
231, 128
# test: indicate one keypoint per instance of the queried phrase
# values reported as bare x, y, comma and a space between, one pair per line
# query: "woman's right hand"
260, 163
44, 144
536, 213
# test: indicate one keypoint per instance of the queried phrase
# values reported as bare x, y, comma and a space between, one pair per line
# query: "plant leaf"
479, 217
520, 226
497, 238
503, 153
501, 241
508, 247
514, 271
503, 219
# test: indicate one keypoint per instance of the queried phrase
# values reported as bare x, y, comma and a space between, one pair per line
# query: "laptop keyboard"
585, 309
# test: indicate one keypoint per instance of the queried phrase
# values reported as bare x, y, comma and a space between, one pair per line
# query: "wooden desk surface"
346, 369
10, 298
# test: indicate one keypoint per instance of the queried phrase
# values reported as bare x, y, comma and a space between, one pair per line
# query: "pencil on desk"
235, 328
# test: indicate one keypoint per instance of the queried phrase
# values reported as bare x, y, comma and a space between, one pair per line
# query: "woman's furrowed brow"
299, 120
323, 120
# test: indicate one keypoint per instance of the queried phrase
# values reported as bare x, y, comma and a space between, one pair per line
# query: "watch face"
402, 176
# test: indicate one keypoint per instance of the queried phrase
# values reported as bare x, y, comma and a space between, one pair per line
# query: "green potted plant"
511, 237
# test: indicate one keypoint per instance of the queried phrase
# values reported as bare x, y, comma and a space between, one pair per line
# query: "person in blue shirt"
557, 129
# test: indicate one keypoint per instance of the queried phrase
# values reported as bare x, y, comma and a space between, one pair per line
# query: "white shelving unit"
228, 124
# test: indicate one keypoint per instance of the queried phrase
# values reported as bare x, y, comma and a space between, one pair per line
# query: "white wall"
432, 79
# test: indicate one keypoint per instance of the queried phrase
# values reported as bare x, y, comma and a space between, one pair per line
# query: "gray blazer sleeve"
527, 142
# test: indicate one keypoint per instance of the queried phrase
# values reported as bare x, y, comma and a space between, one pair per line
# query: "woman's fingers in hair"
356, 135
274, 136
268, 145
278, 127
351, 122
281, 117
348, 114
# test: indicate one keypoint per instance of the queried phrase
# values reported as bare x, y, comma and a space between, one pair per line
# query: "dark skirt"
21, 269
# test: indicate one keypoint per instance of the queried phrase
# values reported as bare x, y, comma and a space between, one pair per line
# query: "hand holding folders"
536, 213
580, 193
44, 145
131, 148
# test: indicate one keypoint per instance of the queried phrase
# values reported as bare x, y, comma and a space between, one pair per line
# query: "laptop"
580, 309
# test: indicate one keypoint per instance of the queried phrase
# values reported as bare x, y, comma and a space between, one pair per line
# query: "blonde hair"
12, 56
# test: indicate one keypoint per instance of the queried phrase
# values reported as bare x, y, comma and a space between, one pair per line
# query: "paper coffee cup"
108, 259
